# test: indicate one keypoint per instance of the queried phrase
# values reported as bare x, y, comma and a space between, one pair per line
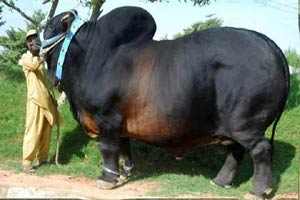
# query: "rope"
52, 47
57, 145
44, 53
57, 136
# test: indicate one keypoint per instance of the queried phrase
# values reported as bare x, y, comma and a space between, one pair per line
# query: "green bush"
201, 25
80, 156
13, 45
292, 57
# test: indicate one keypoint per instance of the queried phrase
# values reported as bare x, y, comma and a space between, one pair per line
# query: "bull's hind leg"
227, 173
109, 144
262, 179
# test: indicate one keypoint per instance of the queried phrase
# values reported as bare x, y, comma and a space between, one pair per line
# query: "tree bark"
12, 6
52, 10
95, 13
96, 10
299, 15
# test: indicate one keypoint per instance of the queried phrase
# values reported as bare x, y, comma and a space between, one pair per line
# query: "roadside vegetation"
293, 57
80, 157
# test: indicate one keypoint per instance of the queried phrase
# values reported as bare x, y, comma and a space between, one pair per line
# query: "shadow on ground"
206, 161
72, 144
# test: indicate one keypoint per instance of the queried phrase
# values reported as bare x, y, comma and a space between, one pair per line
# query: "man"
41, 113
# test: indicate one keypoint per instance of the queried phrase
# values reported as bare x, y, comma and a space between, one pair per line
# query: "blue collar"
76, 24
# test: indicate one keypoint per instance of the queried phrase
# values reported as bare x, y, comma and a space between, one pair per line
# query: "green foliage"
294, 94
37, 16
1, 20
196, 2
13, 45
91, 3
80, 157
209, 23
292, 57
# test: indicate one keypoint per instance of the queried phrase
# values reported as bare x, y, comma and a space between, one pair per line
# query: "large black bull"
221, 84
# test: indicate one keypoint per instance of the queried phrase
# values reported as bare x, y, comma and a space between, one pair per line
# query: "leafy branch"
12, 5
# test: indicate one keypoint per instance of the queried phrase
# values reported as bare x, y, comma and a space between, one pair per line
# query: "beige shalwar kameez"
41, 113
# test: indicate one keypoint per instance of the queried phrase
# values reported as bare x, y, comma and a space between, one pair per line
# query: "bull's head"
54, 33
59, 24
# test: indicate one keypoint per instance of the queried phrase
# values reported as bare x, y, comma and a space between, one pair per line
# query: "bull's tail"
274, 128
283, 101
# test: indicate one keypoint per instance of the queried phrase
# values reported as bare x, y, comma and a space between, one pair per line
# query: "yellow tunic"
41, 113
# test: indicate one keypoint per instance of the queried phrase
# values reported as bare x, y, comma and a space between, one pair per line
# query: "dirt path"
66, 186
22, 185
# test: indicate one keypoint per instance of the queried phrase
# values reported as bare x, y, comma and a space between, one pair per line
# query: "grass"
81, 158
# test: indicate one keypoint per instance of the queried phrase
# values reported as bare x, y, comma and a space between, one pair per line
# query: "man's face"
33, 44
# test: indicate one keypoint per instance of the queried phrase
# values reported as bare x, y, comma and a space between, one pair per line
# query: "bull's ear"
66, 21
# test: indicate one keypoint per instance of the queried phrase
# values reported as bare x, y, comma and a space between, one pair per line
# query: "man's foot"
28, 169
41, 163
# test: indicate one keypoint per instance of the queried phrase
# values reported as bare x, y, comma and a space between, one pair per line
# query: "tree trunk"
96, 10
299, 15
52, 10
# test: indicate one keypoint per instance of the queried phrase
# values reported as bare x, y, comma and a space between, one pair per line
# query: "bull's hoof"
227, 142
105, 185
179, 157
126, 173
220, 185
268, 191
123, 177
250, 196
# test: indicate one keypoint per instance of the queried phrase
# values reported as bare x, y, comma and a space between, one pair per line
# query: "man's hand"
42, 53
42, 58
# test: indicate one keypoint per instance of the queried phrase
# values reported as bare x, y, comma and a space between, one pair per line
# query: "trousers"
37, 135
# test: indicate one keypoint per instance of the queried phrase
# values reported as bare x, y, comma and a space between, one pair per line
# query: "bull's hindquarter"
223, 83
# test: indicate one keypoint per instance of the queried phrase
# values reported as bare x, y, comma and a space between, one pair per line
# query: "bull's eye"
50, 28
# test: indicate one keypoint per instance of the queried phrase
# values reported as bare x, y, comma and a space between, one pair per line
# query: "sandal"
41, 163
28, 169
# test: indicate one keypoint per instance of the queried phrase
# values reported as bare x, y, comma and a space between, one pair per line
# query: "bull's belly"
177, 137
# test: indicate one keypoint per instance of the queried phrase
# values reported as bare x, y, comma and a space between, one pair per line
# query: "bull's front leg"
109, 144
126, 153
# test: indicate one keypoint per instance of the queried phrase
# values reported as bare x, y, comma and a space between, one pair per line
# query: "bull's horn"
66, 16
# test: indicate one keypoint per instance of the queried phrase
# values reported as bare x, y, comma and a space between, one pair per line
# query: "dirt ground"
82, 186
87, 188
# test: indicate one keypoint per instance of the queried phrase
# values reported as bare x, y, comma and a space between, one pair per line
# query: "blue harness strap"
50, 41
76, 24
